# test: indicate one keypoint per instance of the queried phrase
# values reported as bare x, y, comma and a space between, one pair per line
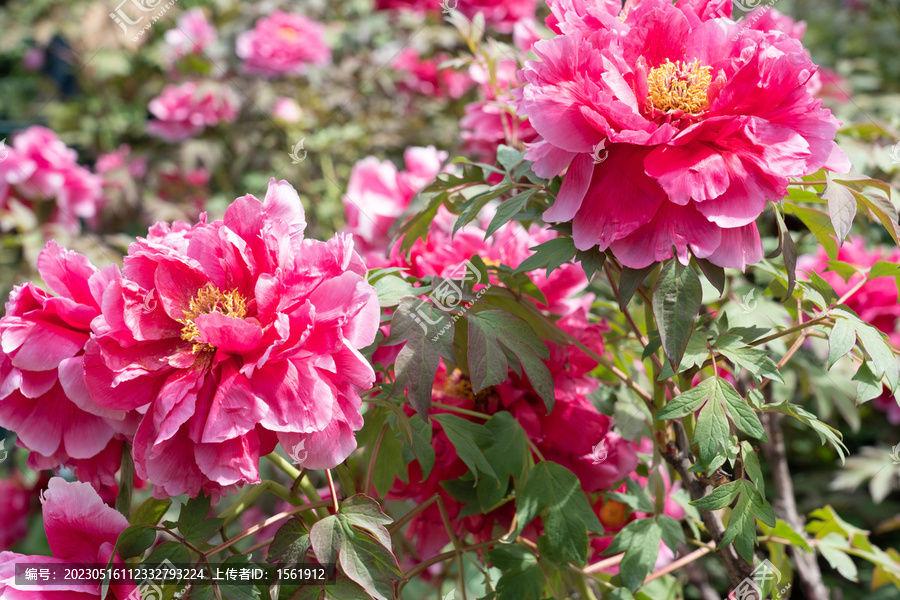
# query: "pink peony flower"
80, 530
703, 120
185, 110
287, 110
43, 398
525, 35
254, 338
15, 500
283, 44
378, 193
192, 34
39, 166
501, 14
424, 75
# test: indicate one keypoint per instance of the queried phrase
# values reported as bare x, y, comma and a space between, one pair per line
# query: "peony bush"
575, 299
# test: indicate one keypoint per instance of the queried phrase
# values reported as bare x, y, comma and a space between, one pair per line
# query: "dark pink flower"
183, 111
501, 14
15, 500
253, 338
283, 44
674, 128
425, 76
80, 530
43, 398
39, 166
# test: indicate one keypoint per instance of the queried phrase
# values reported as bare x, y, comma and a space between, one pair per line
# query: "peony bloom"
15, 500
425, 76
39, 166
283, 44
192, 34
80, 530
378, 193
674, 128
253, 338
43, 398
185, 110
501, 14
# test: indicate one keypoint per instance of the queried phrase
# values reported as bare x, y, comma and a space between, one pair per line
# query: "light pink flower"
692, 168
378, 193
39, 166
192, 34
254, 338
525, 35
183, 111
287, 110
283, 44
424, 75
80, 530
43, 397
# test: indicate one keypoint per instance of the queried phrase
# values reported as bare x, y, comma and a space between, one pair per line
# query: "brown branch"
738, 568
807, 566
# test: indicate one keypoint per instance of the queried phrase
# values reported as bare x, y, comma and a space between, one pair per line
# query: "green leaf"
193, 522
671, 531
786, 532
714, 274
591, 261
755, 360
841, 208
150, 511
509, 157
751, 465
173, 552
507, 452
391, 290
416, 323
744, 417
720, 497
466, 437
687, 402
492, 331
134, 540
640, 542
630, 281
711, 431
522, 577
553, 487
869, 384
676, 303
833, 549
827, 434
126, 482
290, 545
818, 222
841, 340
507, 210
551, 254
472, 207
364, 512
635, 499
749, 507
389, 463
421, 445
789, 250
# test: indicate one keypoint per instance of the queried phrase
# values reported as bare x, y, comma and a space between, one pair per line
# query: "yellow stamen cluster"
210, 299
459, 386
679, 86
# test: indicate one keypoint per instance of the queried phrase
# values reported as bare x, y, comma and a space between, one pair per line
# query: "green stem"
306, 486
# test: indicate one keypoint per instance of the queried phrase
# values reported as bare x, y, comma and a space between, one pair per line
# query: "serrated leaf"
416, 323
552, 486
466, 437
677, 298
193, 522
290, 545
364, 512
489, 333
551, 254
640, 542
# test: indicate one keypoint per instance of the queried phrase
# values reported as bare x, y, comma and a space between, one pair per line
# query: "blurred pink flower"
39, 166
287, 110
80, 530
34, 59
192, 34
253, 338
283, 44
183, 111
501, 14
43, 398
15, 500
378, 193
525, 35
704, 120
424, 75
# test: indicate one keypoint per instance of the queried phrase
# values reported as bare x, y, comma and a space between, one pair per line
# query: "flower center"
210, 299
459, 386
288, 33
679, 86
